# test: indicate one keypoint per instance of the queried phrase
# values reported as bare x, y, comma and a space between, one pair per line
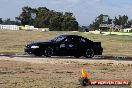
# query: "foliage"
8, 21
100, 20
1, 21
42, 17
120, 22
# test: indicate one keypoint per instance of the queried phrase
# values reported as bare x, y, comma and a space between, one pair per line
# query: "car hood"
38, 43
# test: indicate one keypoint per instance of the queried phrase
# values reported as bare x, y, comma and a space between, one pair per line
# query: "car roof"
70, 35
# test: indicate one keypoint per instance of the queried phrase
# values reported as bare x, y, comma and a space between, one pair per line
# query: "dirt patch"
59, 73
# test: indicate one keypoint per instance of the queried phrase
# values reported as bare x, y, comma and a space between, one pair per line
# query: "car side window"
75, 40
59, 39
68, 40
82, 40
71, 40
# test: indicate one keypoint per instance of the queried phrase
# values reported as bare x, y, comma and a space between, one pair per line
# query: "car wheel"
48, 52
89, 53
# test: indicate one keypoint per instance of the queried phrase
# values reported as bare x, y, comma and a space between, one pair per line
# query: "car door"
63, 47
72, 45
82, 45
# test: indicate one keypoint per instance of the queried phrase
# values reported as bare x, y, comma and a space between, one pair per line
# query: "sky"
85, 11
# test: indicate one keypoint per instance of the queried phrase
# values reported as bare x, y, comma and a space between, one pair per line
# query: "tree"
27, 16
1, 21
129, 24
42, 17
69, 22
101, 19
122, 21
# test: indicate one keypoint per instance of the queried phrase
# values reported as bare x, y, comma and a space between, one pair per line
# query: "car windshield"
58, 39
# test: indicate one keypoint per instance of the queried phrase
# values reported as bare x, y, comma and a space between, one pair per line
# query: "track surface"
24, 71
119, 58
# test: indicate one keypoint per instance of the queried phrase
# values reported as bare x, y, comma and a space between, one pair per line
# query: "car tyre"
89, 53
48, 52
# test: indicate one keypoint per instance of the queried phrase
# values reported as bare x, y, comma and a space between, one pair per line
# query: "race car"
65, 45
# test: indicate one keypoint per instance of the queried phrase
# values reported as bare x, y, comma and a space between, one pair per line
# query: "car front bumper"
29, 50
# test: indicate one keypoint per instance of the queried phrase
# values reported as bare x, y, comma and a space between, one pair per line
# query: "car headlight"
34, 47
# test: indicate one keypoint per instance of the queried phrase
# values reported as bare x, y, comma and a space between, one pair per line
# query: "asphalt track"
117, 58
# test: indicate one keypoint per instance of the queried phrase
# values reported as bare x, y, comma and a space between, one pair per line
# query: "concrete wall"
43, 29
127, 30
11, 27
26, 27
